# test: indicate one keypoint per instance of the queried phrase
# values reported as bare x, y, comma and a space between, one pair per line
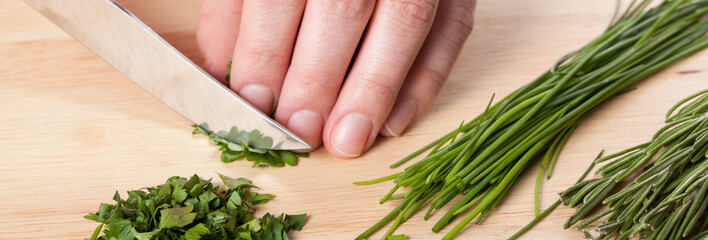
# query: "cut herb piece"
236, 144
668, 199
192, 209
397, 237
252, 145
228, 74
493, 150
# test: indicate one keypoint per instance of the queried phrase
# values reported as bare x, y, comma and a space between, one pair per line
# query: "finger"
217, 30
396, 33
328, 37
452, 26
263, 49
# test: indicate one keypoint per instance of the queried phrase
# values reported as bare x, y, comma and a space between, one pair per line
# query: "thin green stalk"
381, 222
548, 210
557, 151
378, 180
400, 216
535, 220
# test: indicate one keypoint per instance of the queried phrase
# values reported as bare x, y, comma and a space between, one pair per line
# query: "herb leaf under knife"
237, 144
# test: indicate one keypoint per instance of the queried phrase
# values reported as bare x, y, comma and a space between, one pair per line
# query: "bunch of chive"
485, 157
669, 199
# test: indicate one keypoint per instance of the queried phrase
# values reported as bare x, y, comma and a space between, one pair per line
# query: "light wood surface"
73, 130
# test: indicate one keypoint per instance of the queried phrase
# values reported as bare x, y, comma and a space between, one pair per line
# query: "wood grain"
73, 130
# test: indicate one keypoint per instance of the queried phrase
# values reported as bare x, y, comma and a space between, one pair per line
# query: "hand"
341, 71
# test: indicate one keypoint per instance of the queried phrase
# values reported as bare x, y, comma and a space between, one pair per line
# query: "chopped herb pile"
474, 166
192, 209
252, 145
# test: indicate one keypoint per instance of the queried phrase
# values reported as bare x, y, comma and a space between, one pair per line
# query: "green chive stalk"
668, 198
483, 158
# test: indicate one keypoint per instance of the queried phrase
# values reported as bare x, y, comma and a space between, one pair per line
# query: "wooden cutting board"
73, 130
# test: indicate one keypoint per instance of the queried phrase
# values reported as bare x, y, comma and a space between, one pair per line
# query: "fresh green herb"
228, 74
483, 158
397, 237
252, 145
540, 216
191, 209
667, 198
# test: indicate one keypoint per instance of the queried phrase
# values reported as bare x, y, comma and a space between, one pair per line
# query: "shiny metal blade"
140, 54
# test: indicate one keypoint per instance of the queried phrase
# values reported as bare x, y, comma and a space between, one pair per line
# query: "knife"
130, 46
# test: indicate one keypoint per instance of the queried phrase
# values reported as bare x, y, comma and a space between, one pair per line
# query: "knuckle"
261, 59
384, 89
204, 15
314, 82
415, 13
350, 9
212, 67
213, 10
283, 3
435, 78
206, 12
424, 87
460, 21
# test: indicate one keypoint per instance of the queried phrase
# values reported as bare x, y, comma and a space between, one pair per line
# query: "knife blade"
130, 46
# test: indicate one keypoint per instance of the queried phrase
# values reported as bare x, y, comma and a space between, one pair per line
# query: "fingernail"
307, 125
350, 135
399, 118
259, 96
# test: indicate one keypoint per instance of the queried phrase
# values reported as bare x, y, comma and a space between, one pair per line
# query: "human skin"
341, 71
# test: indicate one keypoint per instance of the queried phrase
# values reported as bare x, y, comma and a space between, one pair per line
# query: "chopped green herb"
397, 237
228, 74
192, 209
252, 145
